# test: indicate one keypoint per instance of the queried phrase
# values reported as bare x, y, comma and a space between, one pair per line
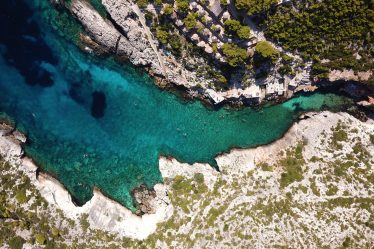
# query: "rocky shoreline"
124, 34
154, 205
102, 212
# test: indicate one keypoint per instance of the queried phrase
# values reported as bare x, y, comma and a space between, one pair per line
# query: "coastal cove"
93, 123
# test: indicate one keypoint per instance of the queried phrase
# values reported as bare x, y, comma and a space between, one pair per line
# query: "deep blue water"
91, 122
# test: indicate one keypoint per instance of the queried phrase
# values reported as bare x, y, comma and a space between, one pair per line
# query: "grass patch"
338, 135
21, 195
213, 215
265, 166
292, 164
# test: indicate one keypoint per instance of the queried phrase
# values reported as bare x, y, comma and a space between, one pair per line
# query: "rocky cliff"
312, 188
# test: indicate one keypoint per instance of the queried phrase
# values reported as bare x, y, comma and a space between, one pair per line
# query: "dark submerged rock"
98, 105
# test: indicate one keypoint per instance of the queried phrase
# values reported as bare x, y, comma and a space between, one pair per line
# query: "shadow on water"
98, 104
25, 47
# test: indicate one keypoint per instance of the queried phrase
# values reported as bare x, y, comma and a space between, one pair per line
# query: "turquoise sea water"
94, 123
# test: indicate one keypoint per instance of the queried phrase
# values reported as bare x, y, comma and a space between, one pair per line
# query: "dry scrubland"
314, 188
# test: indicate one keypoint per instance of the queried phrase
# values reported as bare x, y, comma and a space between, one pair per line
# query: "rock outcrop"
102, 212
349, 75
144, 199
237, 165
125, 34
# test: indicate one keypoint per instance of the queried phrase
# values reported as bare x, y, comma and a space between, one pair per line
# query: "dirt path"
138, 12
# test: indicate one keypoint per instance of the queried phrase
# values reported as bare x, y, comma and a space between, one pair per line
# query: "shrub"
40, 239
158, 2
244, 32
55, 232
199, 178
372, 139
162, 35
16, 242
338, 135
190, 21
285, 70
232, 26
265, 51
182, 5
21, 195
214, 47
265, 166
168, 9
292, 165
142, 3
175, 43
255, 6
286, 58
235, 55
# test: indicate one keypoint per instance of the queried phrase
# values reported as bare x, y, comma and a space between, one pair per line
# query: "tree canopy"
235, 55
253, 7
190, 21
234, 27
162, 35
182, 5
266, 51
312, 26
330, 29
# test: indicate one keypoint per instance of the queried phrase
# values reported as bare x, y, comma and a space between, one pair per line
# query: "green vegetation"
253, 7
168, 9
372, 138
142, 3
292, 165
340, 168
16, 242
286, 70
84, 222
21, 195
169, 39
332, 190
235, 56
266, 52
335, 21
162, 35
213, 215
361, 152
190, 21
40, 239
265, 166
184, 188
182, 6
244, 32
234, 27
329, 29
236, 209
175, 43
338, 135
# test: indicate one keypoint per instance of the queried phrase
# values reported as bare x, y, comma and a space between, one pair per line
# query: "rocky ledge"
102, 212
157, 206
125, 34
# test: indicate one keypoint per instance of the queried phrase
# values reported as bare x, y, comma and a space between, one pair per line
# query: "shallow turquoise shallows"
93, 123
